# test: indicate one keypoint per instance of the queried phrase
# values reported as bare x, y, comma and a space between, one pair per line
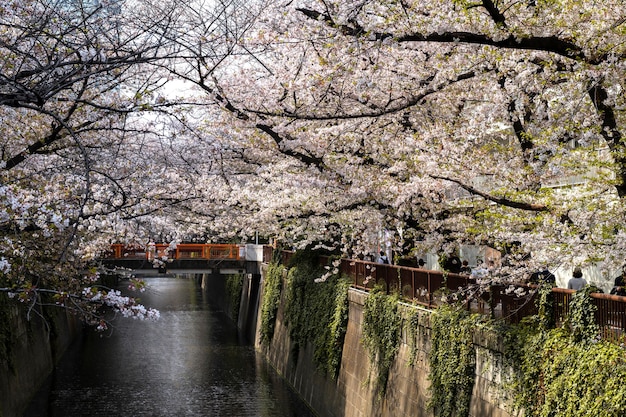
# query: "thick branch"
408, 103
498, 200
495, 13
611, 133
55, 135
552, 44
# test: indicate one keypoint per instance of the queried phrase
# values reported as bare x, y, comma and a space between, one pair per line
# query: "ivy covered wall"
398, 359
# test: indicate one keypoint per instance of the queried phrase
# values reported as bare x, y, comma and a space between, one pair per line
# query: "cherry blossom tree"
318, 122
73, 80
480, 122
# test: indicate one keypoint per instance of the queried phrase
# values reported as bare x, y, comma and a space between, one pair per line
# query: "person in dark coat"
465, 268
453, 264
383, 259
619, 286
543, 277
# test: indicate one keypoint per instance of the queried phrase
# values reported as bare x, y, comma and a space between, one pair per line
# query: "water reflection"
189, 363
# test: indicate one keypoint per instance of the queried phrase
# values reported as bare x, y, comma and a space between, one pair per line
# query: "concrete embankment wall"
30, 349
354, 394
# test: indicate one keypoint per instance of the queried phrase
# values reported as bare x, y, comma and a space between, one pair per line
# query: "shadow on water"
192, 362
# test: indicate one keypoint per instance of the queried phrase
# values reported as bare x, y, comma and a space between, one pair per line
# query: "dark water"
191, 362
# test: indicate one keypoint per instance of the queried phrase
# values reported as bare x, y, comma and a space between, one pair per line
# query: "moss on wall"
234, 287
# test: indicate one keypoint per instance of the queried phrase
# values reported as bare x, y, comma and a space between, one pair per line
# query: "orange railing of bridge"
207, 251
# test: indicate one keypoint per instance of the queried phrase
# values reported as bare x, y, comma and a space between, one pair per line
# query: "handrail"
427, 288
208, 251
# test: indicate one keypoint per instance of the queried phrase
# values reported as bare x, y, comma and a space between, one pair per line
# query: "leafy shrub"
566, 371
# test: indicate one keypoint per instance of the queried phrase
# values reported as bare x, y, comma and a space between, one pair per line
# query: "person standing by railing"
480, 271
619, 286
577, 281
383, 259
465, 268
543, 276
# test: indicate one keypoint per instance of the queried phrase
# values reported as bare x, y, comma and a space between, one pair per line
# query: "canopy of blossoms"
321, 123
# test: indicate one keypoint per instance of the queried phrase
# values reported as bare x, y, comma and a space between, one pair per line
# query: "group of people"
453, 264
544, 276
381, 258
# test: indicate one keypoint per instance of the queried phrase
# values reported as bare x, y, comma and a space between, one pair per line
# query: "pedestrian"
619, 286
577, 281
480, 271
453, 264
465, 268
383, 259
543, 276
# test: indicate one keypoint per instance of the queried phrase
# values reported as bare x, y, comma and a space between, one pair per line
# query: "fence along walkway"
425, 287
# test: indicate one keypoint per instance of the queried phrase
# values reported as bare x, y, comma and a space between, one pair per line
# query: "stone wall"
354, 394
34, 346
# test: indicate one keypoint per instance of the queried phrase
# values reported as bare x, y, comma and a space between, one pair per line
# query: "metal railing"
182, 251
428, 288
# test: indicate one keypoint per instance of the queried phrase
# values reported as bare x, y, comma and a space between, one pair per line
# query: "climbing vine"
452, 360
413, 333
581, 318
382, 324
566, 371
234, 287
271, 299
338, 327
316, 310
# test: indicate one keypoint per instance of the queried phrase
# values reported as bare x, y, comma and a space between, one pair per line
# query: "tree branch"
611, 133
498, 200
552, 44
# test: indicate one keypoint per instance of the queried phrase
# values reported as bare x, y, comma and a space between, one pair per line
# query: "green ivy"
234, 287
272, 288
556, 376
338, 327
545, 304
452, 360
413, 335
581, 317
566, 371
316, 312
382, 325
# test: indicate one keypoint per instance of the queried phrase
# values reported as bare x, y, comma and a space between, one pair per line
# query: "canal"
191, 362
